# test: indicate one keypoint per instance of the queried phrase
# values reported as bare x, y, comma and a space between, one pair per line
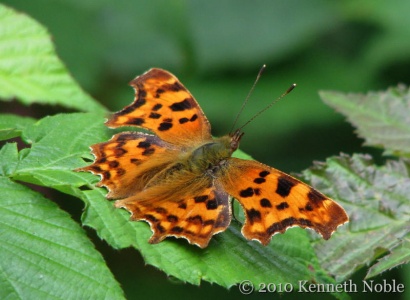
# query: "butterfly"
181, 179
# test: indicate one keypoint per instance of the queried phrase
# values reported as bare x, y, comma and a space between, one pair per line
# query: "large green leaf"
382, 118
58, 142
45, 254
30, 69
378, 203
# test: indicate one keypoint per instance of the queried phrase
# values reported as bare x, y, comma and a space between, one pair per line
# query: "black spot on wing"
113, 164
135, 161
96, 169
136, 121
148, 151
150, 218
182, 205
282, 206
315, 196
177, 229
181, 106
172, 218
160, 228
183, 120
264, 173
175, 87
102, 160
265, 203
158, 92
143, 144
211, 204
157, 107
161, 210
195, 220
246, 193
285, 184
253, 215
164, 126
118, 152
154, 115
259, 180
308, 207
107, 175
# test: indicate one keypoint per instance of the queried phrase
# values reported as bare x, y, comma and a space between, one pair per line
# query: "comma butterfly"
181, 179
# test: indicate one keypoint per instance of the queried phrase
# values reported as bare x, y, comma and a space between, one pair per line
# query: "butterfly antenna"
267, 107
247, 97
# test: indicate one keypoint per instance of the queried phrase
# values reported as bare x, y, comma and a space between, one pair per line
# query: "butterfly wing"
195, 212
163, 105
274, 201
128, 161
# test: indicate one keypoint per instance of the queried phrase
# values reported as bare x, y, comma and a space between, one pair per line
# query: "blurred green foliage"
216, 49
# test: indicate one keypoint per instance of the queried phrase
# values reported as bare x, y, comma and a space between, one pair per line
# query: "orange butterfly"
181, 179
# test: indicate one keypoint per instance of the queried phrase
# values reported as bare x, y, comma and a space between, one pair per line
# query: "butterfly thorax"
210, 157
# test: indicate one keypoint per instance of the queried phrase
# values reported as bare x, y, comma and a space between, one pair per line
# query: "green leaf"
44, 254
30, 69
59, 142
399, 256
57, 145
378, 204
12, 125
382, 119
8, 159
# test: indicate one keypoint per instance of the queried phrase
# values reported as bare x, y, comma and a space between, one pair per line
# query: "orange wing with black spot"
163, 105
195, 214
274, 201
128, 161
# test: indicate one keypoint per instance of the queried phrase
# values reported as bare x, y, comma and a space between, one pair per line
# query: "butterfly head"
235, 139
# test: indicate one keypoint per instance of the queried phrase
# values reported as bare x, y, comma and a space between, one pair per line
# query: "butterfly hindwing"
196, 217
274, 201
164, 106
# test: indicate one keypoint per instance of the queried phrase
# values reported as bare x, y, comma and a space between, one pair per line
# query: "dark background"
216, 49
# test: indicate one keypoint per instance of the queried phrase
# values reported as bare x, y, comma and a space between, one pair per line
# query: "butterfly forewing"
274, 201
128, 161
163, 105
